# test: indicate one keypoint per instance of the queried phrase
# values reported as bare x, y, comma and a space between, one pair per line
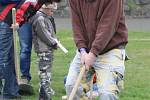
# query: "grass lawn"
137, 79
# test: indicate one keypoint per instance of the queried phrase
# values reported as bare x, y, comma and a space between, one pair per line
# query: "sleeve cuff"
82, 50
94, 51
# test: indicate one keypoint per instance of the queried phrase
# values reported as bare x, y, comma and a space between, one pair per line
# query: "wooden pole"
74, 90
91, 88
15, 44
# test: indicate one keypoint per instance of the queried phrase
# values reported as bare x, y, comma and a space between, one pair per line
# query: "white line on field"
139, 39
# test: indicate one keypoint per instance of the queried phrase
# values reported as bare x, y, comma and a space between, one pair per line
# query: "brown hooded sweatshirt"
98, 26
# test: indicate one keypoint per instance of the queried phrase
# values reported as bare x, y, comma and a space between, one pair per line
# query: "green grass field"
137, 79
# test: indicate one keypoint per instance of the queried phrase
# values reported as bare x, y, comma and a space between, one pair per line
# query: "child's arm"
43, 32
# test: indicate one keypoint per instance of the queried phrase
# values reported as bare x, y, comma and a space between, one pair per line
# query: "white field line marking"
136, 39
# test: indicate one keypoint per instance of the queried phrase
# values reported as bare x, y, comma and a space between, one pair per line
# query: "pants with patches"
45, 65
109, 69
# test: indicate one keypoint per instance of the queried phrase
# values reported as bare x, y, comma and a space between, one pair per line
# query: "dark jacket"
43, 32
98, 26
8, 16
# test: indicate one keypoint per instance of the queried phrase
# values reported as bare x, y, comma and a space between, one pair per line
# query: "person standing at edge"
7, 66
100, 35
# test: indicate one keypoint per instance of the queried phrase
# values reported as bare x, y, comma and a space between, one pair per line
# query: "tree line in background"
137, 8
133, 8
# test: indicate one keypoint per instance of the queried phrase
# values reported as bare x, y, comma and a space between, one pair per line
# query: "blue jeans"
7, 65
25, 36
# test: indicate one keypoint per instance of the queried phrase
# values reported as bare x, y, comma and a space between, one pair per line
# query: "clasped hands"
87, 59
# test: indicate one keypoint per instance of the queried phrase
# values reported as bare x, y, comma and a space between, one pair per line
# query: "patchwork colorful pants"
45, 65
109, 69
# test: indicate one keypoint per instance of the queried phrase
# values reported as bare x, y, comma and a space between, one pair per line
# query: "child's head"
49, 8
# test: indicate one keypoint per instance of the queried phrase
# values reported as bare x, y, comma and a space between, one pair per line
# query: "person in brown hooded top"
100, 35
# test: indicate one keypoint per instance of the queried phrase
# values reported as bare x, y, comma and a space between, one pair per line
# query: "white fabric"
31, 1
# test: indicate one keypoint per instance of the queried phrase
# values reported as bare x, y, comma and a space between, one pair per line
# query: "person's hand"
15, 26
55, 46
89, 60
83, 55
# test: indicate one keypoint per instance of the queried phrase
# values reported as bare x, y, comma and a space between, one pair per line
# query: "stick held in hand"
61, 46
74, 90
15, 42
